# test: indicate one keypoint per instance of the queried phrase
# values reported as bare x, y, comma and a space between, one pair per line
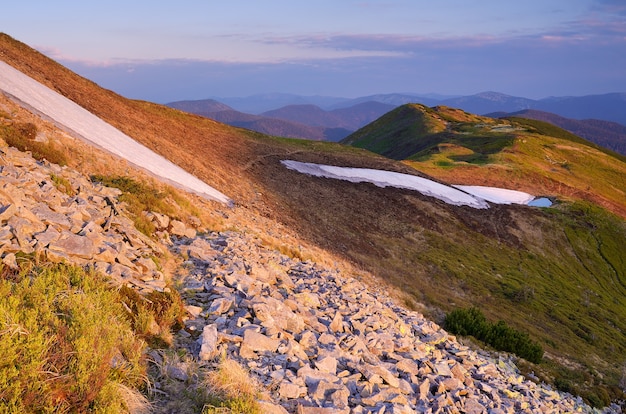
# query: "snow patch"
497, 195
32, 94
458, 195
382, 178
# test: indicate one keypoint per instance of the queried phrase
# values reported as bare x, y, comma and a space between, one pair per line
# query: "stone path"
325, 343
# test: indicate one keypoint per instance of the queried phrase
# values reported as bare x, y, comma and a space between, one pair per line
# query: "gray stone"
49, 217
46, 237
10, 260
472, 406
267, 407
369, 371
327, 364
407, 365
337, 323
7, 211
208, 342
289, 390
254, 342
178, 228
321, 410
220, 306
177, 372
73, 245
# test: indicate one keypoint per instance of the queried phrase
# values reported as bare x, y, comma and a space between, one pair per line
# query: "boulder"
254, 342
208, 342
73, 245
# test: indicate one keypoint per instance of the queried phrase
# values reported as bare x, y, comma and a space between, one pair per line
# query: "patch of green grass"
231, 386
62, 184
141, 197
570, 298
22, 136
546, 128
155, 315
65, 342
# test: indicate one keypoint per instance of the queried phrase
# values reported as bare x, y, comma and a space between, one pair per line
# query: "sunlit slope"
558, 273
215, 147
514, 153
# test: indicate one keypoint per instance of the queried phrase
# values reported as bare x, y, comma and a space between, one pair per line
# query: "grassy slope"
543, 271
559, 273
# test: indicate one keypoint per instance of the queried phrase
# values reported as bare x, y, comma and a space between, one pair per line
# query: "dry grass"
230, 385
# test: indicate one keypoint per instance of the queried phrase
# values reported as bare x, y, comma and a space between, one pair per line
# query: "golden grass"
230, 385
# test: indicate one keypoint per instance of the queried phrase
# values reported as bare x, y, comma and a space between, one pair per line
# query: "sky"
165, 51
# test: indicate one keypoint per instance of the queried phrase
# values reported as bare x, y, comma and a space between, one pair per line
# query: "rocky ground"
317, 340
323, 342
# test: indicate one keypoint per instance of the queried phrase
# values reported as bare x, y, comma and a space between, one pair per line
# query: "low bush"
22, 136
155, 315
66, 343
141, 197
472, 322
62, 184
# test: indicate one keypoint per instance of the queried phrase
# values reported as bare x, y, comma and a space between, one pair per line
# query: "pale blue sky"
165, 50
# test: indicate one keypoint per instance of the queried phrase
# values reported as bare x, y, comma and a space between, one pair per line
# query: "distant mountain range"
294, 121
607, 107
598, 118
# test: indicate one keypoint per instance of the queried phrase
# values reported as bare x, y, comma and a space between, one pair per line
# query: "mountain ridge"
410, 242
351, 115
606, 106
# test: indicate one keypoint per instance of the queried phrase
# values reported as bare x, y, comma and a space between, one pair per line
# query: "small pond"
541, 202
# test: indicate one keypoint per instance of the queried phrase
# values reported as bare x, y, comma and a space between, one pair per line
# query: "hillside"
607, 134
205, 106
538, 158
530, 267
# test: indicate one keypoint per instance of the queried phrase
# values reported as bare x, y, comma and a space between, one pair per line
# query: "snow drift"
458, 195
85, 125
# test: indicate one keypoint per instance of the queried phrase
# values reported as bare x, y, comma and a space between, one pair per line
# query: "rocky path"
325, 343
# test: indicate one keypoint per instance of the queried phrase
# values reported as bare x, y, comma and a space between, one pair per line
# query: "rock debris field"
316, 339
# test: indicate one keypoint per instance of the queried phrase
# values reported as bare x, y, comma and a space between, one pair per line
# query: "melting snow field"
473, 196
89, 127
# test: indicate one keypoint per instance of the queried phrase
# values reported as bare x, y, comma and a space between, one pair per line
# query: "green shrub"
62, 184
499, 335
153, 316
65, 342
22, 136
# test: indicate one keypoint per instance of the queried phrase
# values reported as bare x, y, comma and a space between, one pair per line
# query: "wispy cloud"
615, 7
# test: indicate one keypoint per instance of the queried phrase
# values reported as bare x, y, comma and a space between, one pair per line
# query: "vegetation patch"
499, 335
62, 184
141, 197
22, 136
66, 343
231, 386
155, 315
